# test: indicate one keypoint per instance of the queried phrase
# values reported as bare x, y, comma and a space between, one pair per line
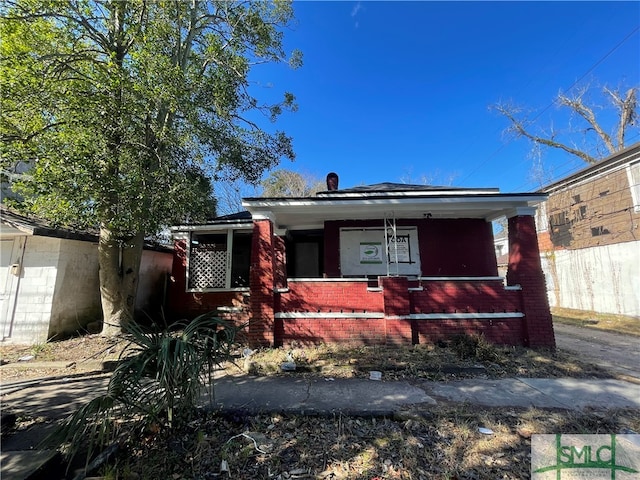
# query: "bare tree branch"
628, 114
577, 105
519, 127
625, 104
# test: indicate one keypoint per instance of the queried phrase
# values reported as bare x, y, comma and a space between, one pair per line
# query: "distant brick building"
380, 264
589, 236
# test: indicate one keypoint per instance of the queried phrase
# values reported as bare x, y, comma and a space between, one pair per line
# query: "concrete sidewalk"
365, 397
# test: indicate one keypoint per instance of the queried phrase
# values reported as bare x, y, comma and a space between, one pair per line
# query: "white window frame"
228, 231
632, 168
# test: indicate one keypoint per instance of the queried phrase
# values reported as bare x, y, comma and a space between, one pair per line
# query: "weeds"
158, 383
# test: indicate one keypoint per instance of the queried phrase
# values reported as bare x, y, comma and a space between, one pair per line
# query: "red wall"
456, 247
448, 247
329, 297
395, 303
500, 331
487, 296
361, 331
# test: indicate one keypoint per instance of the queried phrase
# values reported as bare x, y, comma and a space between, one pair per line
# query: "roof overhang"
307, 213
7, 231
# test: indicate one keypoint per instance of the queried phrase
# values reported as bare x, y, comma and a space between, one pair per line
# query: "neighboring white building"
49, 283
589, 236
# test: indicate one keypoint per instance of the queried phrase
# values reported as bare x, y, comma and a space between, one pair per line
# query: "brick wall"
525, 270
341, 308
360, 331
342, 297
449, 296
594, 213
262, 281
500, 331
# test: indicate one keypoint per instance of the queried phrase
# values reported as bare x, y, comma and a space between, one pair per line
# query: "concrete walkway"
616, 352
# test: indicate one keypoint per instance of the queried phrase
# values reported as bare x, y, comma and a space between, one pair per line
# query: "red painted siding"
461, 247
457, 247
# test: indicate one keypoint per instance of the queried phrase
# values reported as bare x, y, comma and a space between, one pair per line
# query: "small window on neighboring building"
597, 231
582, 212
633, 174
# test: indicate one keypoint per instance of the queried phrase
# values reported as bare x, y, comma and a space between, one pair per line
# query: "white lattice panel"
207, 267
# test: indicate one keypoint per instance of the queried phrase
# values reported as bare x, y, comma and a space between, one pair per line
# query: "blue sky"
393, 91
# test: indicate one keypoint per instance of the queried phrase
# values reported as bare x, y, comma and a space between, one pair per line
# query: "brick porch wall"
525, 270
332, 311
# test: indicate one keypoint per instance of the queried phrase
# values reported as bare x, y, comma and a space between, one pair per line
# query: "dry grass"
599, 321
465, 359
441, 443
58, 358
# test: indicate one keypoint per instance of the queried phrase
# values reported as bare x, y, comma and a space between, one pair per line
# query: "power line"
589, 70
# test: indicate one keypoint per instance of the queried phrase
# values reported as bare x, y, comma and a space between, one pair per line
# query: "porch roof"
392, 200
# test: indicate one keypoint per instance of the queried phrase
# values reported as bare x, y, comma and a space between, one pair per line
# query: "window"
633, 174
219, 260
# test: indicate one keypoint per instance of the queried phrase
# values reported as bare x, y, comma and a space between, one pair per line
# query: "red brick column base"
525, 269
396, 304
261, 324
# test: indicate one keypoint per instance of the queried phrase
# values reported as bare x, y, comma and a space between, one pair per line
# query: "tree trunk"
119, 261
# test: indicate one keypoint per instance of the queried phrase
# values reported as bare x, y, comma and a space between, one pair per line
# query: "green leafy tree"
124, 111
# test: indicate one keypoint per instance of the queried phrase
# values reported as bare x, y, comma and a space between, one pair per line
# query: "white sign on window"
399, 249
371, 252
358, 257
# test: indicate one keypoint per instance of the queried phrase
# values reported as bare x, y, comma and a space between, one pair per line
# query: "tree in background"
287, 183
587, 132
125, 110
278, 183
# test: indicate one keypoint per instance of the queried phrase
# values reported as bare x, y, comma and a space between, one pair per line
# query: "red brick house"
381, 264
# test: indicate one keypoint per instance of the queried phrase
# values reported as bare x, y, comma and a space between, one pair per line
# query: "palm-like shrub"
162, 375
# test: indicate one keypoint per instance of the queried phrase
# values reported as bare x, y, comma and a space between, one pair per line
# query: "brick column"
395, 292
525, 269
261, 324
279, 262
